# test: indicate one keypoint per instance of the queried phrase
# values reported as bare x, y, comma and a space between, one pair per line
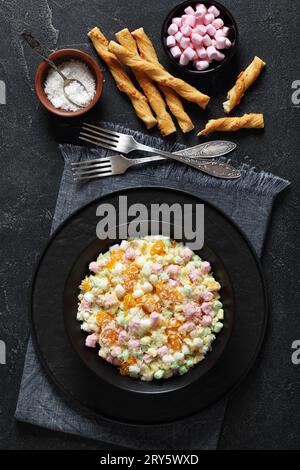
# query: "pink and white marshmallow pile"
198, 36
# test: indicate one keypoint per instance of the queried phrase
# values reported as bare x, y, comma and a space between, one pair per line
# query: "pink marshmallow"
133, 344
207, 296
123, 335
200, 29
202, 65
219, 33
207, 41
91, 340
116, 351
213, 42
154, 317
196, 273
176, 52
228, 43
189, 20
209, 18
94, 266
172, 283
184, 60
185, 42
220, 57
201, 11
220, 42
226, 31
163, 351
206, 320
147, 358
214, 11
189, 10
186, 253
171, 41
201, 6
157, 267
173, 29
173, 269
211, 30
186, 30
206, 308
189, 310
196, 39
178, 36
202, 54
189, 326
177, 21
130, 254
218, 23
205, 268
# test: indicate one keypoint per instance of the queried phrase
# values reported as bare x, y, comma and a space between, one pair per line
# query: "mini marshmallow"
218, 23
200, 29
212, 52
214, 11
201, 11
176, 52
209, 18
199, 15
202, 65
202, 54
185, 42
228, 43
189, 20
189, 10
171, 41
186, 30
225, 31
211, 30
220, 42
219, 33
206, 41
177, 21
197, 39
184, 60
213, 42
220, 57
173, 29
190, 53
178, 36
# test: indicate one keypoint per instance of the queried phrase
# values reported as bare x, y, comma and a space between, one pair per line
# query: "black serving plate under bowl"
233, 35
110, 373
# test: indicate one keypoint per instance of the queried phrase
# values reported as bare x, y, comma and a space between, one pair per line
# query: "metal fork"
118, 164
118, 142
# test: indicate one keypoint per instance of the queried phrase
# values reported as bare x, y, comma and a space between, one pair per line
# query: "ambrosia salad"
153, 307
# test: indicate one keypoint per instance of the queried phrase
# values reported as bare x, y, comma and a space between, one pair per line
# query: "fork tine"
91, 172
105, 146
89, 162
114, 133
92, 167
100, 134
99, 139
100, 175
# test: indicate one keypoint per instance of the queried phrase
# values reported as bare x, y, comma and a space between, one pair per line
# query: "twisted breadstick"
164, 120
244, 81
147, 52
231, 124
124, 83
156, 73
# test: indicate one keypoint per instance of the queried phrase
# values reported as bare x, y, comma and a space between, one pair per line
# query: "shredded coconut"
54, 86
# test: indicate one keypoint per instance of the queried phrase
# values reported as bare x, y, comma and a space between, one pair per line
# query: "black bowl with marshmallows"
183, 37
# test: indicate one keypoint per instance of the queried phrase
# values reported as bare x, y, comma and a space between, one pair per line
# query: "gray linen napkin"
248, 201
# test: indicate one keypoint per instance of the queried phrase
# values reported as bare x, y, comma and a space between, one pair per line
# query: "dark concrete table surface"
264, 411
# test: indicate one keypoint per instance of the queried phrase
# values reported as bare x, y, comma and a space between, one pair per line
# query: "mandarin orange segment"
103, 318
124, 368
129, 301
115, 256
109, 335
158, 248
175, 341
86, 285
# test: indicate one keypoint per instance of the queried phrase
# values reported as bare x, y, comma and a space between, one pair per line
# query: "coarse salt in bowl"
48, 83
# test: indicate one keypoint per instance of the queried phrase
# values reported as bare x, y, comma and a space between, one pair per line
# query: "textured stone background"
264, 412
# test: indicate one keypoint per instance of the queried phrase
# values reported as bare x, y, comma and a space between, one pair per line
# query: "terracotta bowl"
63, 55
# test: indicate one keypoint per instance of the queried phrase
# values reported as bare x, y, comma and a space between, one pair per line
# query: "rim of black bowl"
175, 12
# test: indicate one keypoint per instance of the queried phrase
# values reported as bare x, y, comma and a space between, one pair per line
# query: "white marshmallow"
177, 21
208, 19
220, 42
206, 40
178, 36
211, 30
218, 23
197, 39
220, 57
200, 29
214, 11
184, 60
202, 54
190, 53
189, 10
219, 33
226, 31
185, 42
228, 43
189, 20
186, 30
202, 65
172, 30
212, 52
171, 41
176, 52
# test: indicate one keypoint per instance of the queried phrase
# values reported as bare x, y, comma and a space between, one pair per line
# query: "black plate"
98, 386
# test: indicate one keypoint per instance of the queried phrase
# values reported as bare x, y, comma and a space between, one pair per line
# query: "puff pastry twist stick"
244, 81
156, 73
231, 124
156, 101
147, 52
123, 81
